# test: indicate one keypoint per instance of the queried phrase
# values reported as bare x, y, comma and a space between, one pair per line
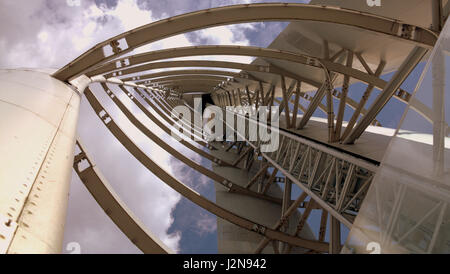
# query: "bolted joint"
115, 46
228, 184
79, 157
284, 221
407, 31
259, 229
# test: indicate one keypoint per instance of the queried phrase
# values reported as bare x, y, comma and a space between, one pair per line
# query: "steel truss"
331, 180
240, 95
335, 181
243, 14
191, 194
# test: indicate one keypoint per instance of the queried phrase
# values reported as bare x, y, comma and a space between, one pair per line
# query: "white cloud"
130, 15
206, 224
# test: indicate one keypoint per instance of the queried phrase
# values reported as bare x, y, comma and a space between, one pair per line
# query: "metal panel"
37, 148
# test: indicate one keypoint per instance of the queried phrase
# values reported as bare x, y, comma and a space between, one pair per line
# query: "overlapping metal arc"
243, 14
135, 62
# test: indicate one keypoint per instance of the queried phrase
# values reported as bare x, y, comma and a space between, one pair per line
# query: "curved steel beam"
207, 50
215, 50
198, 72
161, 125
183, 64
188, 85
110, 202
191, 194
233, 187
149, 77
189, 77
160, 110
400, 95
244, 68
244, 14
166, 111
251, 51
165, 106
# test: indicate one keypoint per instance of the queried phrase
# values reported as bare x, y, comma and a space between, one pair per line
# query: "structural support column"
335, 236
439, 124
343, 99
436, 9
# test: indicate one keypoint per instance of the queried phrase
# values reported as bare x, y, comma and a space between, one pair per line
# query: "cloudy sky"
50, 33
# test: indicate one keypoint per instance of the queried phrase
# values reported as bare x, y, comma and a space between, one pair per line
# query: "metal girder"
359, 108
233, 187
285, 101
335, 236
287, 213
191, 194
161, 125
246, 51
198, 132
343, 99
258, 52
272, 69
193, 81
371, 80
195, 76
116, 210
321, 172
296, 104
341, 183
160, 109
280, 71
314, 104
191, 86
242, 14
437, 15
351, 103
400, 94
168, 110
182, 64
181, 86
247, 92
150, 77
211, 50
394, 84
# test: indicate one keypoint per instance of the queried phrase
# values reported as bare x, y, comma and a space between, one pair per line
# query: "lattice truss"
332, 181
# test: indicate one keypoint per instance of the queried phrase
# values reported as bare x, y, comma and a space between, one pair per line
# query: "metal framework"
191, 194
114, 69
333, 176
